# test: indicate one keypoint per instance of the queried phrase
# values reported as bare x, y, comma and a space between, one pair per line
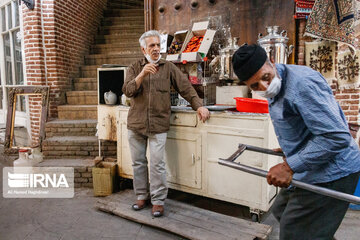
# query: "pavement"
76, 218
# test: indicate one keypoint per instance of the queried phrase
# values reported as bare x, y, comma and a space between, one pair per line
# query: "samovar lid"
273, 36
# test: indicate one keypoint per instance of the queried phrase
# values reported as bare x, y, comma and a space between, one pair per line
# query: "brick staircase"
70, 139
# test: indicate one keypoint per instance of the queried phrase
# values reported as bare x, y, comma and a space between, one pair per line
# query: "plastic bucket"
251, 105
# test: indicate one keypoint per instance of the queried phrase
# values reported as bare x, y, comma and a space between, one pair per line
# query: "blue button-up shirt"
311, 127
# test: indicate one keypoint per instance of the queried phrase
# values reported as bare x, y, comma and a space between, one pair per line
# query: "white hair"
151, 33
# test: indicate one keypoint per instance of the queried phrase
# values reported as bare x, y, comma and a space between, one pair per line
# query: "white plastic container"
24, 160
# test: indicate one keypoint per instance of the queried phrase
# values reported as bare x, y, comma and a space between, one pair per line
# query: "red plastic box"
251, 105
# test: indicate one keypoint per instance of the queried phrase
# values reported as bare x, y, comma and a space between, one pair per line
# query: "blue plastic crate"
357, 193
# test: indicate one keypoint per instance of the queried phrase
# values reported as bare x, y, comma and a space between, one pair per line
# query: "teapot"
110, 97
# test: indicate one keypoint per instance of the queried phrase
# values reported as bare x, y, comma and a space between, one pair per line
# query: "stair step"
77, 112
90, 71
123, 12
82, 97
123, 38
121, 59
68, 162
85, 84
134, 49
122, 21
111, 59
127, 5
79, 147
114, 47
116, 50
82, 169
118, 30
83, 127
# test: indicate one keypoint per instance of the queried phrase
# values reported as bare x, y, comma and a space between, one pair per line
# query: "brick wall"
347, 98
69, 28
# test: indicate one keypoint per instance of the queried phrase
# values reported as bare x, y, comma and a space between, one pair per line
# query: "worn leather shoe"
140, 204
157, 210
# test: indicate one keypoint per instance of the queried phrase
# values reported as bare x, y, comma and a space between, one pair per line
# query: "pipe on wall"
149, 14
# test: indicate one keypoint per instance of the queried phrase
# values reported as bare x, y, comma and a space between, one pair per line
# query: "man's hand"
280, 151
149, 68
203, 113
280, 175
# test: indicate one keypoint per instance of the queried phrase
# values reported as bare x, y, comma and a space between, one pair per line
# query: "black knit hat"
247, 60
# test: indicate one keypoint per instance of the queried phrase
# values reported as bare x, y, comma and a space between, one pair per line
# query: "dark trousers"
305, 215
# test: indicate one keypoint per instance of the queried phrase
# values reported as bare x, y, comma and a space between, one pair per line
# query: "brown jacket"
150, 105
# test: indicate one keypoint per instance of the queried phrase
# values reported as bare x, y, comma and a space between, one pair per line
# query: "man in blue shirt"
314, 136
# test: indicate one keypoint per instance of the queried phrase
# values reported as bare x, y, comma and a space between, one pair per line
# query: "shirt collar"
144, 61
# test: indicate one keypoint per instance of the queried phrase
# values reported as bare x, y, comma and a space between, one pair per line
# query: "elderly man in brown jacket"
148, 83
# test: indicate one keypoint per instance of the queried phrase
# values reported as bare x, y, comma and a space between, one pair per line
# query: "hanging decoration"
334, 20
320, 56
303, 8
348, 73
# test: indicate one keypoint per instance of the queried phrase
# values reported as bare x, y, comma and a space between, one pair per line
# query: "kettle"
110, 98
275, 44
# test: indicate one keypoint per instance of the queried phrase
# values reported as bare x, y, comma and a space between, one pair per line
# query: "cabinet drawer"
183, 119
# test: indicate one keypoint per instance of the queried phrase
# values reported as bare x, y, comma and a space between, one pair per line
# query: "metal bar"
262, 150
313, 188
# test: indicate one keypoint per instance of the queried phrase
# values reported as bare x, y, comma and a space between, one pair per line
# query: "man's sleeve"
325, 120
129, 86
183, 86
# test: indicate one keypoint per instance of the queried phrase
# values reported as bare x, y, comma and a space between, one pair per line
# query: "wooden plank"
185, 220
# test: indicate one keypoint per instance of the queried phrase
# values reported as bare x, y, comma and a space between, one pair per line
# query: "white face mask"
150, 60
272, 90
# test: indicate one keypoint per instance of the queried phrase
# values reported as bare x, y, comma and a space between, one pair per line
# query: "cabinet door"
107, 122
183, 158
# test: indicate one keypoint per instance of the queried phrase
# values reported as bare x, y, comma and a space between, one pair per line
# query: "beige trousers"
158, 187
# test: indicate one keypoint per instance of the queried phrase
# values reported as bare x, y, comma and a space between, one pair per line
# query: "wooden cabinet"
193, 149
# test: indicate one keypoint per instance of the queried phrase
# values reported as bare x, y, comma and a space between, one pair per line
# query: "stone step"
82, 169
85, 84
109, 48
83, 127
135, 49
118, 30
72, 112
121, 59
122, 21
123, 38
78, 147
90, 71
123, 12
125, 5
82, 97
